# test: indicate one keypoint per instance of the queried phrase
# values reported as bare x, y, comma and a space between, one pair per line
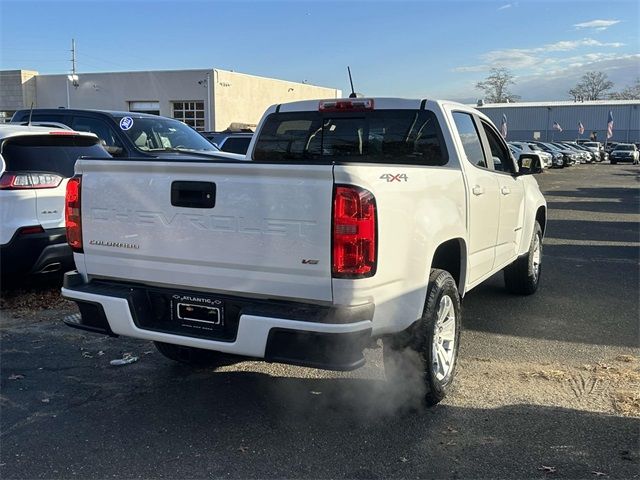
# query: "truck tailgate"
260, 229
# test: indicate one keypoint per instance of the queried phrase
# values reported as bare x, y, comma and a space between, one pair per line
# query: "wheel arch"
541, 218
451, 255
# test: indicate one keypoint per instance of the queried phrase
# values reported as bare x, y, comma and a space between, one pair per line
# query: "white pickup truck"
350, 220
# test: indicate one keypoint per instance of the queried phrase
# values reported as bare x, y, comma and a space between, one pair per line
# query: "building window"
190, 112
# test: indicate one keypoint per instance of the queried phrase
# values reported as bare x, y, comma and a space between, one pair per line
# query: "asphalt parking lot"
548, 385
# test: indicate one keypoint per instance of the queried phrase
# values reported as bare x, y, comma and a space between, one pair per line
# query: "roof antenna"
30, 113
353, 92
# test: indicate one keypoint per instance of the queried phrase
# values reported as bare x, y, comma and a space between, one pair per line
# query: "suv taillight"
354, 232
28, 180
72, 214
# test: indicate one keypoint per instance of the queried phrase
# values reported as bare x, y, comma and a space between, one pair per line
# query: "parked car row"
566, 154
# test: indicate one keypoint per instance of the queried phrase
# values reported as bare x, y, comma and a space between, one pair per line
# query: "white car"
35, 163
546, 159
624, 152
354, 219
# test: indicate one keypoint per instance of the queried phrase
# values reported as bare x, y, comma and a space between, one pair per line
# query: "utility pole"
73, 77
73, 56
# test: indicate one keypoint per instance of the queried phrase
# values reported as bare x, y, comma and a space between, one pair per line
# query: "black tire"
409, 356
613, 162
191, 355
522, 277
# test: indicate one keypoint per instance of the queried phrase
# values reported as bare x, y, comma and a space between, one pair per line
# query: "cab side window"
470, 139
100, 128
501, 157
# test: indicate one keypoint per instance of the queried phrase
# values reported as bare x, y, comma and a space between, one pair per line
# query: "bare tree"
592, 86
632, 92
496, 86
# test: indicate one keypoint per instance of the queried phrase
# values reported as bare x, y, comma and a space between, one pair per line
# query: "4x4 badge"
390, 177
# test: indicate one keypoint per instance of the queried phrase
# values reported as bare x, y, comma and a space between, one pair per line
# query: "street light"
74, 80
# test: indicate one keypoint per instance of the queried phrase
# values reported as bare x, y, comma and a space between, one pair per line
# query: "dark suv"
128, 134
233, 142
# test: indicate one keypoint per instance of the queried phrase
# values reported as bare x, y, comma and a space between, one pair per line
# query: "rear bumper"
36, 252
302, 334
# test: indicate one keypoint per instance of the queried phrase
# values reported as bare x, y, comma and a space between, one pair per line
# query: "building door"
152, 108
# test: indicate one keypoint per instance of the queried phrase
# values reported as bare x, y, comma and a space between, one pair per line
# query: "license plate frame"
198, 312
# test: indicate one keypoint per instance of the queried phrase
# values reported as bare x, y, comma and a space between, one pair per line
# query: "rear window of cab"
409, 137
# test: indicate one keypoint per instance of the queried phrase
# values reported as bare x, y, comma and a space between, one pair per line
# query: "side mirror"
529, 164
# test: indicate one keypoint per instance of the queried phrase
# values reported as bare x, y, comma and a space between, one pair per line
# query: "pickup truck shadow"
251, 425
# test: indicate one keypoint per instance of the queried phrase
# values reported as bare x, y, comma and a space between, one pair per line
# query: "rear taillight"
28, 180
72, 214
354, 232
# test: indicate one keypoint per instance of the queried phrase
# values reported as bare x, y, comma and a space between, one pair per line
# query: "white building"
206, 99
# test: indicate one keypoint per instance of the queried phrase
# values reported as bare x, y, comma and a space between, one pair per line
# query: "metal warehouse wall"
523, 120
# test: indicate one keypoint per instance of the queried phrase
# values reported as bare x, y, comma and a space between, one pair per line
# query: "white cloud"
504, 7
555, 83
537, 59
597, 24
472, 68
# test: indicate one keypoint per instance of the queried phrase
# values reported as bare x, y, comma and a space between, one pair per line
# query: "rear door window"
382, 136
49, 153
470, 139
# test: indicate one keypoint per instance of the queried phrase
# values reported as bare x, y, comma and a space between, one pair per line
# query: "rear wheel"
424, 357
191, 355
523, 276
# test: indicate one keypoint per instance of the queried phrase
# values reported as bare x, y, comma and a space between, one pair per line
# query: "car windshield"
535, 147
151, 134
625, 146
591, 144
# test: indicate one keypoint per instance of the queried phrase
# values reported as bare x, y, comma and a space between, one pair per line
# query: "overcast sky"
432, 49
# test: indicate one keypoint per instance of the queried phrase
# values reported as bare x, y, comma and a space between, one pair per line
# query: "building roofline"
186, 70
561, 103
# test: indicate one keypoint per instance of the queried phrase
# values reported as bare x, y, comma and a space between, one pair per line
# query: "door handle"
505, 190
477, 190
193, 194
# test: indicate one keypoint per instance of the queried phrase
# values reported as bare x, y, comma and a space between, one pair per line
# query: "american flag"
610, 125
503, 126
556, 126
580, 128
